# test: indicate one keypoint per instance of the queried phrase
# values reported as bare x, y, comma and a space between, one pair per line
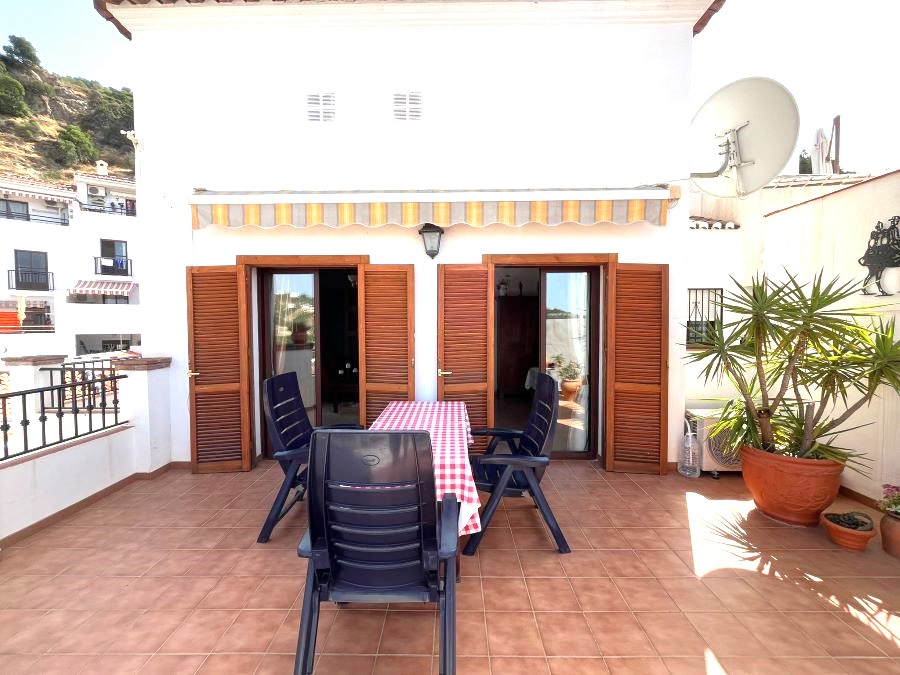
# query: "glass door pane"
291, 327
567, 354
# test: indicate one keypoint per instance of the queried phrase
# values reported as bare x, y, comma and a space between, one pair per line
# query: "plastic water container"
689, 458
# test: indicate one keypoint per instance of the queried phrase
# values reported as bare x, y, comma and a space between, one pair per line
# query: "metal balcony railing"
114, 265
26, 279
121, 209
61, 219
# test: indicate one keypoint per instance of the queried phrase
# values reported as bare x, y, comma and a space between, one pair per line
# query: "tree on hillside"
20, 51
12, 97
73, 146
109, 111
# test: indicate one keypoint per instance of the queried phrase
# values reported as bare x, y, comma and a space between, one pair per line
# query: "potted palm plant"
803, 364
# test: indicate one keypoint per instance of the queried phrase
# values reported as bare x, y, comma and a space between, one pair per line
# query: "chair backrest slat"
537, 436
372, 505
287, 421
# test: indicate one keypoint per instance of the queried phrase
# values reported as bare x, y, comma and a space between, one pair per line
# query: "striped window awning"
92, 287
513, 208
21, 193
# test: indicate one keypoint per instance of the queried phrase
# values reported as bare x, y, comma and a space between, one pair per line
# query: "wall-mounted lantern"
431, 235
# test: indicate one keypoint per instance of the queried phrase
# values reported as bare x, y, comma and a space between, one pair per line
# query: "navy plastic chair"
518, 473
289, 431
375, 534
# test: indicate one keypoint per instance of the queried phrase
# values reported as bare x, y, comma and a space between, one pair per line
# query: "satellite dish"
748, 129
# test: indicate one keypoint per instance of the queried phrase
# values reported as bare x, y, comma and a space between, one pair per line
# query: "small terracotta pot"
890, 535
570, 389
855, 540
793, 490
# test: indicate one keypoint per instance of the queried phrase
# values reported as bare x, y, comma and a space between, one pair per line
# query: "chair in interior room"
289, 431
520, 472
375, 532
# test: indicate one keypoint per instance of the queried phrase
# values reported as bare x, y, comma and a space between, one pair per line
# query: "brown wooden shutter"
220, 362
637, 368
466, 340
386, 338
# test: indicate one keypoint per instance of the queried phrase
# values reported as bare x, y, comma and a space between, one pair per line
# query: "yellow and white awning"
513, 208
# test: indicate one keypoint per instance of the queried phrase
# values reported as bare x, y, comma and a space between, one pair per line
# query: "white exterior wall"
516, 95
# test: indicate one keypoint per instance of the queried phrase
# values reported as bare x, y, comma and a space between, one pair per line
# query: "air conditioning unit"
712, 454
52, 203
96, 191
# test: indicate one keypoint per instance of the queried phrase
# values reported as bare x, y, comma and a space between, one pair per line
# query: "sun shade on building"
103, 288
412, 209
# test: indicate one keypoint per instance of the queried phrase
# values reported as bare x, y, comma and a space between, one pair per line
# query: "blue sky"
70, 38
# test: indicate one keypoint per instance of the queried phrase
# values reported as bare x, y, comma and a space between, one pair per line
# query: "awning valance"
12, 193
93, 287
411, 209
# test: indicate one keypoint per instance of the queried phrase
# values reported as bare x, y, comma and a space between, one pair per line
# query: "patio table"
448, 424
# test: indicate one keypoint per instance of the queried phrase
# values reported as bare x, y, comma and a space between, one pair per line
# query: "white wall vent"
320, 107
408, 106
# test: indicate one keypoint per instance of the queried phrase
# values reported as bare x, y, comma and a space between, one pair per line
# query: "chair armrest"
449, 533
304, 550
521, 461
500, 433
288, 455
343, 426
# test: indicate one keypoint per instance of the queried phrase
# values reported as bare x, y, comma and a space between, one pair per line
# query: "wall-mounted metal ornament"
883, 252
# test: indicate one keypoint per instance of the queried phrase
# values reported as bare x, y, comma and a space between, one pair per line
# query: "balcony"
121, 209
112, 265
25, 279
61, 219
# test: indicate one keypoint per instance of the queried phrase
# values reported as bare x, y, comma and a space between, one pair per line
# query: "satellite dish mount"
731, 150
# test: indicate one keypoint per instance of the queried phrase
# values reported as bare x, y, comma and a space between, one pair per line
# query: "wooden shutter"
220, 365
386, 338
637, 368
466, 340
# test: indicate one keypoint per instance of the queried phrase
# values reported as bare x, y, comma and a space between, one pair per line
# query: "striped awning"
92, 287
412, 209
12, 193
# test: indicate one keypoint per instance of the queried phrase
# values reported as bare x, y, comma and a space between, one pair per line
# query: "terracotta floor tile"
691, 595
692, 665
185, 593
725, 635
230, 664
37, 637
532, 538
605, 538
275, 664
643, 538
181, 664
513, 634
541, 564
552, 594
671, 634
498, 563
782, 637
252, 631
828, 632
276, 593
619, 634
664, 563
469, 594
518, 665
355, 631
598, 595
497, 537
577, 666
408, 633
471, 634
870, 666
762, 665
231, 593
592, 518
113, 664
199, 632
645, 595
638, 666
566, 634
402, 665
623, 564
505, 594
60, 664
737, 595
147, 632
583, 564
333, 664
93, 635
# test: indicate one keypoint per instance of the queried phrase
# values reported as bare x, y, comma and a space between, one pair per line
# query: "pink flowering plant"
891, 502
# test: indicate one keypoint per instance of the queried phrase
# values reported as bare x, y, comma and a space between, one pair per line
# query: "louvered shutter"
465, 340
637, 368
386, 341
219, 363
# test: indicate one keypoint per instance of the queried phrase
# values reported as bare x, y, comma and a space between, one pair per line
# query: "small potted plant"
300, 332
851, 530
570, 372
890, 521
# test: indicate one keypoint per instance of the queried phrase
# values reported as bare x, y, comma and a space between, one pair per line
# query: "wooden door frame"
607, 262
246, 264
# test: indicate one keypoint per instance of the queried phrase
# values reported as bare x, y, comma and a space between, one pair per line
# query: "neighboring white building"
68, 256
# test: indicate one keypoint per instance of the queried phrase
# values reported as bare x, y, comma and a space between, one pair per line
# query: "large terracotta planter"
793, 490
890, 535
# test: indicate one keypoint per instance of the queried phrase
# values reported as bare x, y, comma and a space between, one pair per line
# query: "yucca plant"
803, 364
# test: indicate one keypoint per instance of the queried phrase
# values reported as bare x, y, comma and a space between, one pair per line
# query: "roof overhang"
655, 10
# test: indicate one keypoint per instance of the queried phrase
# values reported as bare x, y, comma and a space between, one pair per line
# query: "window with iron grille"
408, 106
704, 309
320, 107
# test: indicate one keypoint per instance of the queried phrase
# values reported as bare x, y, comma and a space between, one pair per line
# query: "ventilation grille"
408, 106
320, 107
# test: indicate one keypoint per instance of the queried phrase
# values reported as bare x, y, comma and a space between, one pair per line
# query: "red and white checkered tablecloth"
448, 424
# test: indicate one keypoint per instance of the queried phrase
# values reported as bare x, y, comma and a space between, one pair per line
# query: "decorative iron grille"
704, 309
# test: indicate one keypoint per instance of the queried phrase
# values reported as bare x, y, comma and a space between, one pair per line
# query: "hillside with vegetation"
52, 126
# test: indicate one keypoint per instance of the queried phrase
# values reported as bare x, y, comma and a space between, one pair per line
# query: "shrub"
20, 50
73, 146
109, 111
12, 97
27, 129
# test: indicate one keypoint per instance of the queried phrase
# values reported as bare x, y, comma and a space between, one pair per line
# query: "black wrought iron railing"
61, 219
34, 419
121, 209
27, 279
112, 265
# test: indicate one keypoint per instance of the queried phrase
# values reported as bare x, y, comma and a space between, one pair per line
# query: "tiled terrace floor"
667, 575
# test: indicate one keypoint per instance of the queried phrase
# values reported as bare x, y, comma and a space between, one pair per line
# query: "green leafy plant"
803, 364
891, 501
12, 97
73, 146
20, 51
568, 370
852, 520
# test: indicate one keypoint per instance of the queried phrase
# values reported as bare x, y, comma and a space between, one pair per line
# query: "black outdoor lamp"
431, 235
